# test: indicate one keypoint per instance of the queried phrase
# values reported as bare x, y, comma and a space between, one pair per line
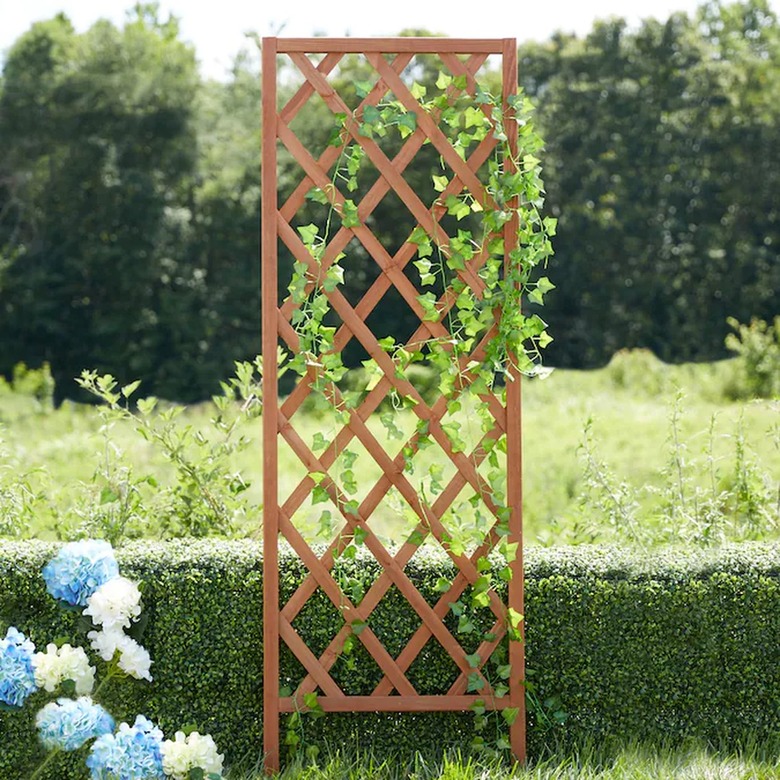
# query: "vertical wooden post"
270, 426
514, 441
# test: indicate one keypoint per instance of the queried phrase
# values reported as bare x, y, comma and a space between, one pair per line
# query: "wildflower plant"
85, 574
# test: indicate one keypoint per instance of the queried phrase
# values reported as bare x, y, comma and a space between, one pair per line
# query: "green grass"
634, 482
690, 762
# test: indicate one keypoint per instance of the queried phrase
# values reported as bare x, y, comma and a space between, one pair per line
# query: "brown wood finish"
394, 693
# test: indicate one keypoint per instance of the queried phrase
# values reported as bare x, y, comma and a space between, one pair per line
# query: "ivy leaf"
428, 303
510, 714
473, 660
440, 183
419, 236
418, 91
473, 117
545, 285
476, 682
423, 265
407, 123
308, 233
319, 495
349, 215
442, 585
362, 88
371, 114
444, 80
514, 618
544, 339
456, 207
358, 626
349, 644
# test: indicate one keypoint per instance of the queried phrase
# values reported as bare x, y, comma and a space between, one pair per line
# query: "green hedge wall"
655, 647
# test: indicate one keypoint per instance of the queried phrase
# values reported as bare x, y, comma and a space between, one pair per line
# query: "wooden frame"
395, 692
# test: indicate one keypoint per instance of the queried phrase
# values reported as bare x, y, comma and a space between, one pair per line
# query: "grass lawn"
692, 762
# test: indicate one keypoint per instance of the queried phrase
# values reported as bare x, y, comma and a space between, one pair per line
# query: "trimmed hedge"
660, 647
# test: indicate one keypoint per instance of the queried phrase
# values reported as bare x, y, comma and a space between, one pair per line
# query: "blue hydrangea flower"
130, 754
67, 724
17, 675
79, 569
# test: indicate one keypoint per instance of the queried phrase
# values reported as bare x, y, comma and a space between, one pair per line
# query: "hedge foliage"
649, 647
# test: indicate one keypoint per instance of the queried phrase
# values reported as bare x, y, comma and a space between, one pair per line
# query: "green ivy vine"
486, 293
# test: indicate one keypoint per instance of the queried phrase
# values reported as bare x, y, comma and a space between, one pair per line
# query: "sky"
217, 29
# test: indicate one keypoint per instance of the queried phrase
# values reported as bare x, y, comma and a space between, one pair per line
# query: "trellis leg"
270, 426
514, 445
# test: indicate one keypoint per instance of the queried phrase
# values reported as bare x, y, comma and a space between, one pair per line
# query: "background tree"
130, 198
98, 148
659, 164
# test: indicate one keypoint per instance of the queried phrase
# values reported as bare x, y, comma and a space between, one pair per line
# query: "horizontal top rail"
397, 45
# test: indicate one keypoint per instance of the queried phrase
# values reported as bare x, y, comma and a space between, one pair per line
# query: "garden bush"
634, 646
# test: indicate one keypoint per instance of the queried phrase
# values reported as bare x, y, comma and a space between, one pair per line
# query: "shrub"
758, 347
676, 645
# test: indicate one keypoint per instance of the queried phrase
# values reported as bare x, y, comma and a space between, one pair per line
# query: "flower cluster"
17, 675
133, 658
58, 664
78, 570
86, 574
114, 604
130, 754
67, 724
195, 751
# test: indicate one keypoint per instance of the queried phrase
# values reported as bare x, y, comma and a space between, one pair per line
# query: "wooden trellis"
316, 58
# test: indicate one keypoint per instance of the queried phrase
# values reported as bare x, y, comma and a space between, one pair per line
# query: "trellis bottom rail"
397, 703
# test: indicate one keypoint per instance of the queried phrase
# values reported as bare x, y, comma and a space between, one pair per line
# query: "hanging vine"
480, 337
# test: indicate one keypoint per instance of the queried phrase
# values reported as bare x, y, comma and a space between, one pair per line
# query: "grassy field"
637, 452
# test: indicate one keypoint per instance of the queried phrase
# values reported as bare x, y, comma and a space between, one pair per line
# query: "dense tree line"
130, 198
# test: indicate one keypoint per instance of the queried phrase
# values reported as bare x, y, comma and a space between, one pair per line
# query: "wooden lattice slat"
394, 692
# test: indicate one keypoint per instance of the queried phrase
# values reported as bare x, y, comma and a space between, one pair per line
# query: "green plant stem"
39, 771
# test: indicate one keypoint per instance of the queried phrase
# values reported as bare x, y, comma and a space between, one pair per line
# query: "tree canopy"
130, 198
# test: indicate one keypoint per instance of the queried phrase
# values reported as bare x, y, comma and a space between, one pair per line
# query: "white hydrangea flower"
134, 659
114, 604
64, 663
105, 643
183, 754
